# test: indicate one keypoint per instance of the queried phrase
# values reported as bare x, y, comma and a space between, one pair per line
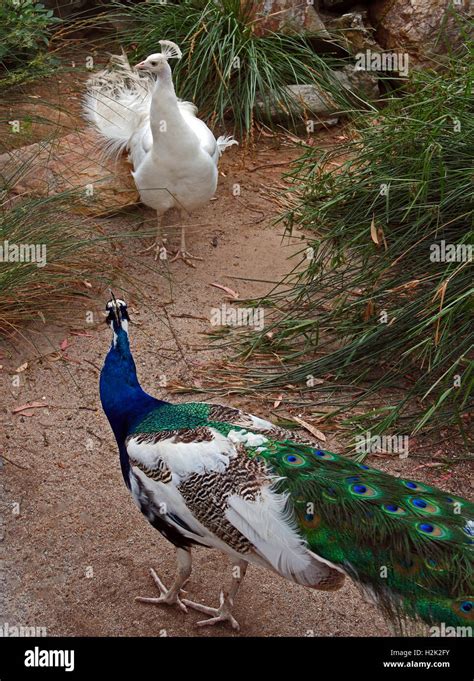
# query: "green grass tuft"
226, 66
371, 311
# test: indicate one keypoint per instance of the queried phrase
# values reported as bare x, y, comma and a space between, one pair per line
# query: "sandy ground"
77, 551
74, 548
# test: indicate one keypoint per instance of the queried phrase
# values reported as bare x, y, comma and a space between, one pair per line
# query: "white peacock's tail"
224, 142
117, 103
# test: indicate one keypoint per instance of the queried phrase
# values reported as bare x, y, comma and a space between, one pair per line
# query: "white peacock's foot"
221, 614
185, 256
160, 250
167, 596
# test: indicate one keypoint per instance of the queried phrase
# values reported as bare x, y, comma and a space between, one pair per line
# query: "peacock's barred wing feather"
409, 545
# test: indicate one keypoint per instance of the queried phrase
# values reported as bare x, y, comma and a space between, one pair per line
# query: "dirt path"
75, 548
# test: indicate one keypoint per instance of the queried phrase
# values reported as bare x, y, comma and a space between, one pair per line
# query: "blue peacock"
214, 476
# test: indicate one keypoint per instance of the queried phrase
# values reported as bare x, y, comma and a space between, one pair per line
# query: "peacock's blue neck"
123, 399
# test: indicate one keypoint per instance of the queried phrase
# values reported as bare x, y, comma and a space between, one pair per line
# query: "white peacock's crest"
170, 50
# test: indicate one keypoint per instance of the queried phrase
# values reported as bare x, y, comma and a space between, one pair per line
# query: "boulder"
364, 84
74, 163
424, 28
287, 17
309, 99
353, 31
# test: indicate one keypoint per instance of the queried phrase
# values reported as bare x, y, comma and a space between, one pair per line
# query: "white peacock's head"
155, 63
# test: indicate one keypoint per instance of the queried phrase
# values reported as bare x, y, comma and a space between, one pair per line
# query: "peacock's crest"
170, 50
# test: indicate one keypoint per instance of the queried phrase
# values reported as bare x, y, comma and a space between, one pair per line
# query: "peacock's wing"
410, 546
201, 476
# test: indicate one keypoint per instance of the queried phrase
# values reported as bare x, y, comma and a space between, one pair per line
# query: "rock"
303, 98
287, 17
310, 99
352, 33
73, 163
424, 28
361, 82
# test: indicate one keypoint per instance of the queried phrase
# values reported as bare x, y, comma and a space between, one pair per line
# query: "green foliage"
68, 251
226, 65
374, 310
25, 28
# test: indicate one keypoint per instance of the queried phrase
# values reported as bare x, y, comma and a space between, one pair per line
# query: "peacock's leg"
171, 595
159, 244
182, 251
224, 612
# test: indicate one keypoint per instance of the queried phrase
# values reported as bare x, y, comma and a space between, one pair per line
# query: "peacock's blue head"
117, 315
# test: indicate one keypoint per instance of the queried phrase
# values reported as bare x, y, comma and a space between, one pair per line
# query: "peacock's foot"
221, 614
186, 257
167, 596
159, 246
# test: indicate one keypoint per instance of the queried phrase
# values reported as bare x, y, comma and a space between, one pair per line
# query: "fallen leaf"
30, 405
229, 291
64, 345
373, 232
278, 401
369, 311
22, 368
87, 284
428, 465
311, 429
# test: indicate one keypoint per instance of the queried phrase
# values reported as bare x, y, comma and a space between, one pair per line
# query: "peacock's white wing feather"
208, 483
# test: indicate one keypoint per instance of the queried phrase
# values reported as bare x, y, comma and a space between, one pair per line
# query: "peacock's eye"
153, 63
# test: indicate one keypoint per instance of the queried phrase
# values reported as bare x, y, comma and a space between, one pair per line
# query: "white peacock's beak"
141, 65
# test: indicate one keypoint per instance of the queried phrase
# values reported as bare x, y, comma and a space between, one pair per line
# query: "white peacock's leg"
182, 252
171, 595
159, 244
224, 612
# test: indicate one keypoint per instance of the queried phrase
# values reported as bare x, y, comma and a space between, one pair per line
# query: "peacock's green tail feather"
408, 544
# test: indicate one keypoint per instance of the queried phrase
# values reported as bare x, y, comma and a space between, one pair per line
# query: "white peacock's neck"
166, 121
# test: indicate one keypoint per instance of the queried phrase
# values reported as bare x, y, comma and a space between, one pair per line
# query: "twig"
178, 344
5, 458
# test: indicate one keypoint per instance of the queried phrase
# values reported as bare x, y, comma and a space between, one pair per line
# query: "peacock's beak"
140, 66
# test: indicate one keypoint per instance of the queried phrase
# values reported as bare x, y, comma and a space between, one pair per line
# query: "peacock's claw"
167, 596
160, 250
221, 614
186, 257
